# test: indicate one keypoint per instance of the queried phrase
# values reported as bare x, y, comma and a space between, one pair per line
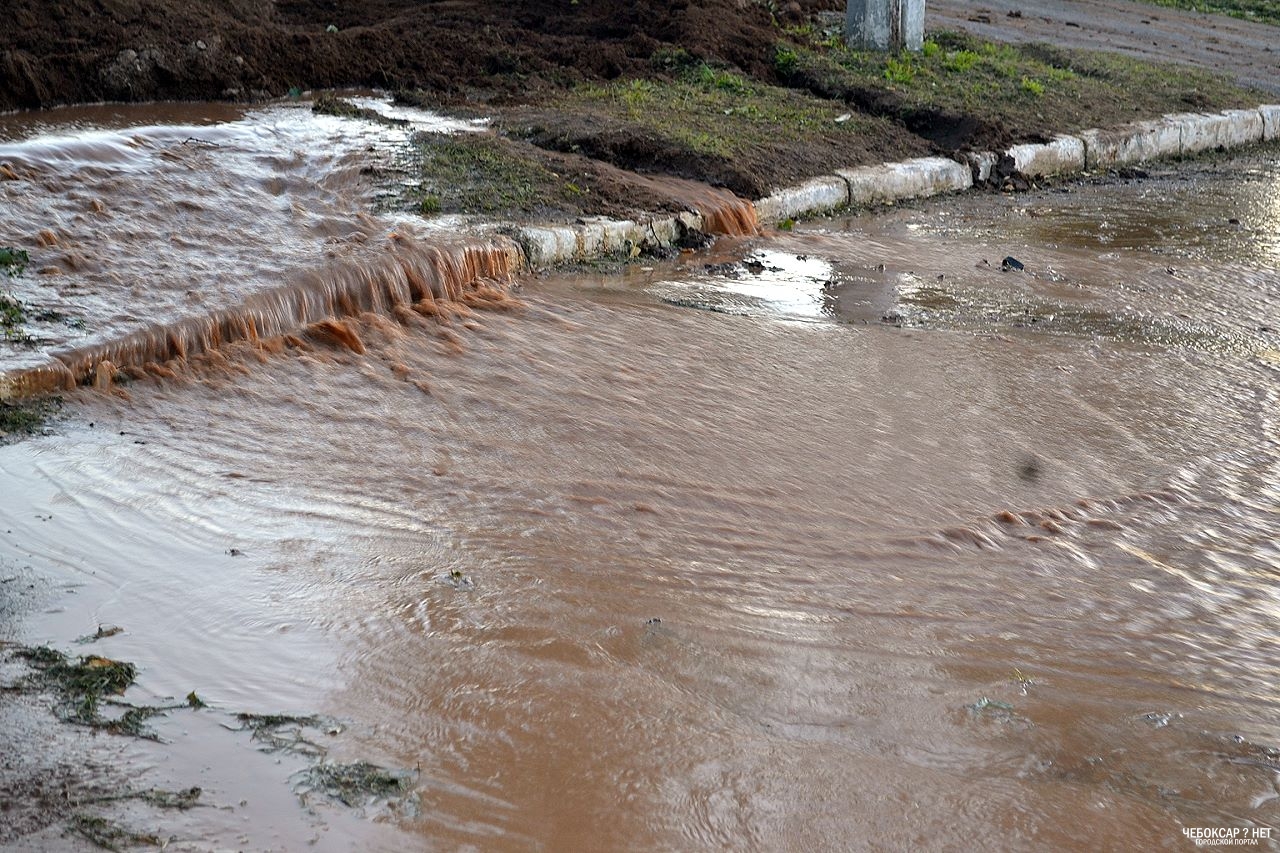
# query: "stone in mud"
1012, 263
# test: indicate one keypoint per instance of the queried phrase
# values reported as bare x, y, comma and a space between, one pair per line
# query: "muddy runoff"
841, 538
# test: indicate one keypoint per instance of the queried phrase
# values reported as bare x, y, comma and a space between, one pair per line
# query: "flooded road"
837, 539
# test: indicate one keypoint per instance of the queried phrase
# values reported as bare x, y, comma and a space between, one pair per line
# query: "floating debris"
1158, 719
992, 709
285, 732
354, 785
110, 835
80, 684
458, 580
103, 632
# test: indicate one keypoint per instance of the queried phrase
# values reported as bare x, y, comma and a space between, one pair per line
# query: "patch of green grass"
899, 69
25, 417
785, 61
1031, 90
482, 174
13, 261
1266, 11
960, 61
713, 112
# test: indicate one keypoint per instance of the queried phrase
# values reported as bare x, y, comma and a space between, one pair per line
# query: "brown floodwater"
837, 539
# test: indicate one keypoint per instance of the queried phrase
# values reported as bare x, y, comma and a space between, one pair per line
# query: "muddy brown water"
836, 539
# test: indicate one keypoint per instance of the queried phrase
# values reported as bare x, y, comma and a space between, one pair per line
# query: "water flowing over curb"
291, 307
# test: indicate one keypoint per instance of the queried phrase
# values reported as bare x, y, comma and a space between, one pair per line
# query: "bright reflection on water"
766, 281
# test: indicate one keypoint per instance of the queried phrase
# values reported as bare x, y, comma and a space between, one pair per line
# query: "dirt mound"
63, 51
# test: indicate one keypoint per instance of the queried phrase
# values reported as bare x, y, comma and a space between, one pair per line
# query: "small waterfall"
428, 279
725, 213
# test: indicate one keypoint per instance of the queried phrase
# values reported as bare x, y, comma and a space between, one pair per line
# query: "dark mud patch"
91, 50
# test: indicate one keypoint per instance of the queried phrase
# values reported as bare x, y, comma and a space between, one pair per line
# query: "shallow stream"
842, 538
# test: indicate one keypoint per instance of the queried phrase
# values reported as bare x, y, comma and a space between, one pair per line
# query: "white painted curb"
1270, 121
825, 193
549, 245
1132, 143
1207, 131
918, 178
1065, 154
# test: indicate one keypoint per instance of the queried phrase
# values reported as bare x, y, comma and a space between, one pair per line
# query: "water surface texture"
837, 539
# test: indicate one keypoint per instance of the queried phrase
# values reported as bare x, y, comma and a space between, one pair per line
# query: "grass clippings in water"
354, 785
103, 632
82, 683
86, 684
110, 835
284, 732
26, 417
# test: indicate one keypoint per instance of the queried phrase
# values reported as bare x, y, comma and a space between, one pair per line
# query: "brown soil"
92, 50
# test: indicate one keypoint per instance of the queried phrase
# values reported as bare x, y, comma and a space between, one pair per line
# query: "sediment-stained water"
838, 539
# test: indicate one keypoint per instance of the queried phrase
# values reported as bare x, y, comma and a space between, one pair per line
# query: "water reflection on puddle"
1134, 264
764, 282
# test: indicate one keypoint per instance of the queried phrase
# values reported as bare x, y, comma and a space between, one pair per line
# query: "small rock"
1012, 263
200, 45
